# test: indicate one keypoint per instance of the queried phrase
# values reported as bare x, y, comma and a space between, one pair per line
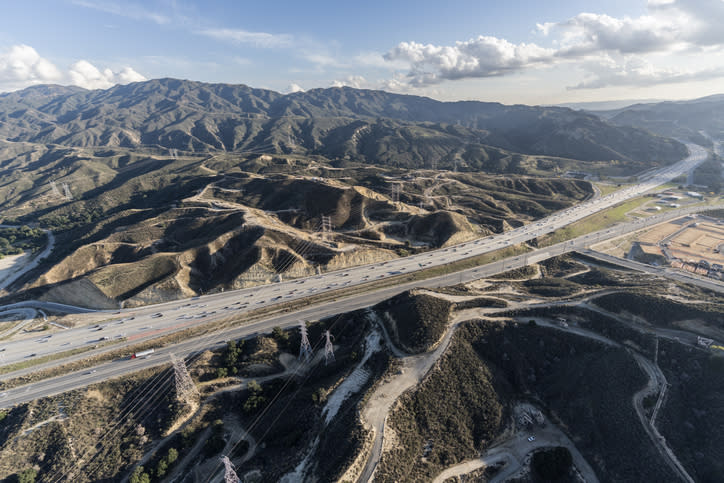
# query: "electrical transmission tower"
326, 226
305, 350
66, 190
328, 348
55, 190
229, 473
395, 190
185, 387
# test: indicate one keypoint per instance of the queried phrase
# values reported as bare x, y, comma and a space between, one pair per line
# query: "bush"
281, 337
27, 476
255, 399
552, 464
138, 476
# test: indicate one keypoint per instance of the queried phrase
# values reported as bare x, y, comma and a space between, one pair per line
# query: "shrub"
27, 476
552, 464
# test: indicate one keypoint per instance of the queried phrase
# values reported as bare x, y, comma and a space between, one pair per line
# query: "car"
531, 438
93, 371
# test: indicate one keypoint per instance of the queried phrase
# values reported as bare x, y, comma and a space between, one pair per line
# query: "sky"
512, 51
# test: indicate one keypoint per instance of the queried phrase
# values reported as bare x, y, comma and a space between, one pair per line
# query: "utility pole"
328, 348
66, 190
305, 350
185, 388
229, 473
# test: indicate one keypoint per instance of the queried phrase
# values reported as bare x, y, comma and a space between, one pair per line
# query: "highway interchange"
134, 325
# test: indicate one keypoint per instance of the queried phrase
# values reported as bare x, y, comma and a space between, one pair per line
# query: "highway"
148, 322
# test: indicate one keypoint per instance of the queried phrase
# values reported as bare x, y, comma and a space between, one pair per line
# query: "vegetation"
585, 386
592, 223
16, 240
552, 464
693, 413
451, 416
551, 287
415, 321
661, 311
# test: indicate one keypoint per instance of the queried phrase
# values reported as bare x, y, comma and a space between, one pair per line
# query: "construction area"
692, 243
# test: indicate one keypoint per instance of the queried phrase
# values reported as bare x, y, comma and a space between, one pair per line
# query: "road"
513, 452
212, 303
656, 383
136, 325
684, 277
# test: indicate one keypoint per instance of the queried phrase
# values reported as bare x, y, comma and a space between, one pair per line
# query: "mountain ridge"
200, 117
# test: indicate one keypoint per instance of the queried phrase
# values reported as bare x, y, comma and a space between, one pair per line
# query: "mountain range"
697, 120
338, 123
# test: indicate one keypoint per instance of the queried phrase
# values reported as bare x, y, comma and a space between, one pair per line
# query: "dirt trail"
513, 452
415, 367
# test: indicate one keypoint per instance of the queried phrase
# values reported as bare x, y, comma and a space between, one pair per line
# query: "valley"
348, 285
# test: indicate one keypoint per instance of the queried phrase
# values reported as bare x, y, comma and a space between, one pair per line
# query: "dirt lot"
699, 242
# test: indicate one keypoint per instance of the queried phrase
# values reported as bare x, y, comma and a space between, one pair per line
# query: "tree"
281, 337
255, 399
552, 464
138, 476
233, 351
27, 476
161, 468
172, 455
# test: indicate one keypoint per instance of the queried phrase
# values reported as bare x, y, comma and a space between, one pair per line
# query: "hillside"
679, 119
370, 126
141, 228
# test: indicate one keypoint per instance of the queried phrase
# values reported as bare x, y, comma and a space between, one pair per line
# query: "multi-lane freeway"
134, 325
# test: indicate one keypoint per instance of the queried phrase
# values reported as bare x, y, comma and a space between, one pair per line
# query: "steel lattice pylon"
326, 226
305, 349
328, 348
229, 473
185, 387
395, 190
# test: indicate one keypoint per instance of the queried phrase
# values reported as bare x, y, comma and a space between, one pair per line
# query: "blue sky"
514, 51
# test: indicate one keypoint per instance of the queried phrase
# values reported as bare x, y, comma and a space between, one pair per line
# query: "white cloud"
21, 66
483, 56
85, 74
294, 88
636, 71
356, 81
125, 9
257, 39
669, 27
